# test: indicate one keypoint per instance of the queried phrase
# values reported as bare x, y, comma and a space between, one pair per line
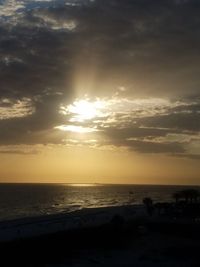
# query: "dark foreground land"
118, 243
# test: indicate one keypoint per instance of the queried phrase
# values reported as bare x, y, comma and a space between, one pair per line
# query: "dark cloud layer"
151, 48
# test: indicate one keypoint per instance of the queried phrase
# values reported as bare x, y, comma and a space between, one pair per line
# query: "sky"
100, 91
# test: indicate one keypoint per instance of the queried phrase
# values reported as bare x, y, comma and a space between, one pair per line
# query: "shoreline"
39, 226
23, 228
109, 236
101, 237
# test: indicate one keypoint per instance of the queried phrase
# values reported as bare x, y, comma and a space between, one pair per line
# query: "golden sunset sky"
100, 91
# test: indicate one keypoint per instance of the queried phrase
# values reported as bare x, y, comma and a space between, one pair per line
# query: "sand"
119, 236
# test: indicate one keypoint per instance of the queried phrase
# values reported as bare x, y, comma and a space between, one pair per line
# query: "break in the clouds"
138, 124
120, 73
15, 108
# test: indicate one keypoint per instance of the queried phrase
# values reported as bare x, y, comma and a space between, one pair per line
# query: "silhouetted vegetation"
186, 205
187, 195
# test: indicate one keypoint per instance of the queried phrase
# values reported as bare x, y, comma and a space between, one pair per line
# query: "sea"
30, 200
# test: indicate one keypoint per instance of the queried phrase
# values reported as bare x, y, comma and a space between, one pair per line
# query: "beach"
99, 133
114, 236
25, 228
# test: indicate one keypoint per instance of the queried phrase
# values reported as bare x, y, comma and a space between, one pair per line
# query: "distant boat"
131, 192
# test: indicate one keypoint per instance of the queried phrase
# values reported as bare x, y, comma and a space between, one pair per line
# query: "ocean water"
29, 200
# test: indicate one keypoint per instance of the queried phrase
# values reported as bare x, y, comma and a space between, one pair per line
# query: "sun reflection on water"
83, 185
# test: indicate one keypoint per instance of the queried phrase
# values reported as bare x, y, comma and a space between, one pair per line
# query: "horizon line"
88, 183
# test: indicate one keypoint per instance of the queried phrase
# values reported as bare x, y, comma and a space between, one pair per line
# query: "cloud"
10, 108
140, 58
136, 124
152, 147
74, 129
10, 7
20, 150
181, 121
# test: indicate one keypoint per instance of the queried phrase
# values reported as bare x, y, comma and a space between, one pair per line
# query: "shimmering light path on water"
27, 200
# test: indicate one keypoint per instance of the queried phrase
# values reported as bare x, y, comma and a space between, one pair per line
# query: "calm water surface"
27, 200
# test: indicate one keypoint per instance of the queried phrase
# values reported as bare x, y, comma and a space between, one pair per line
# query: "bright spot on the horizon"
76, 129
83, 110
82, 185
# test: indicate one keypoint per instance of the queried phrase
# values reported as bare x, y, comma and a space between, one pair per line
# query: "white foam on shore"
92, 217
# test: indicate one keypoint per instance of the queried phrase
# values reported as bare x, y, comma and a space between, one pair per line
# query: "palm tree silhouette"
189, 195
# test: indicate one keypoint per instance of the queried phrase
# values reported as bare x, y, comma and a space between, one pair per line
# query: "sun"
84, 110
81, 113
